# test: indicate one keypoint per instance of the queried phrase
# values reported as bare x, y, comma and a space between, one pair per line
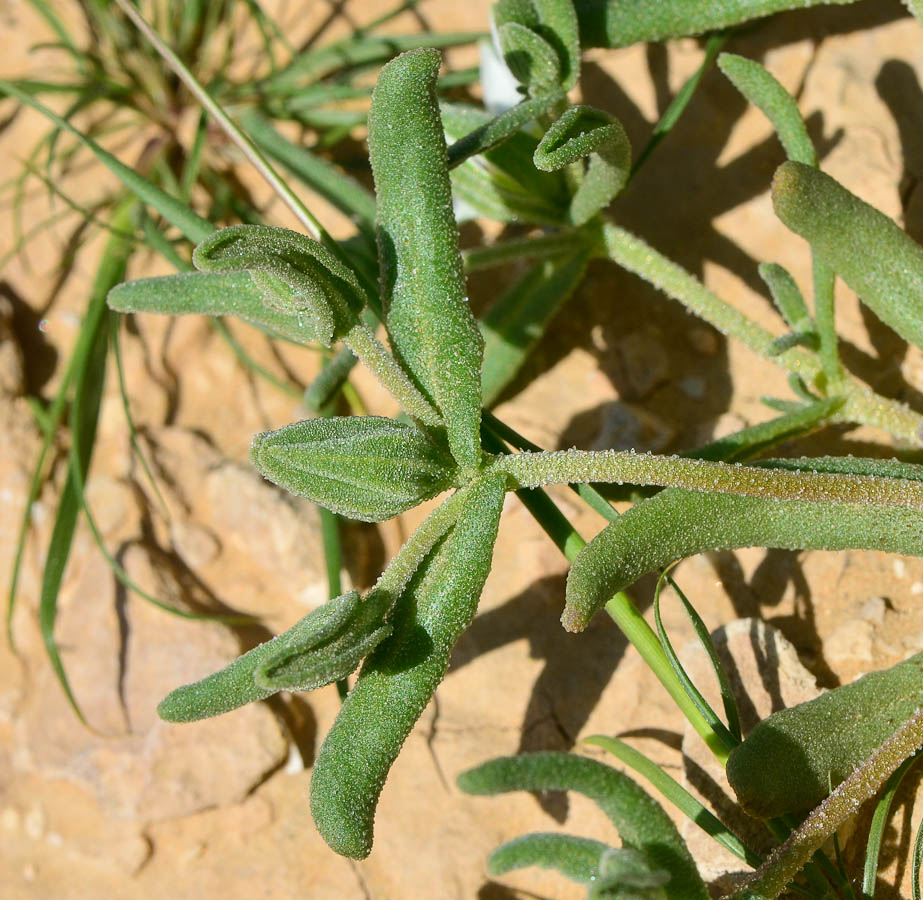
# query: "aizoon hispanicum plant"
548, 162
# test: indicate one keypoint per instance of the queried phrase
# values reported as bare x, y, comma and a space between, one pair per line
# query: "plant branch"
531, 470
861, 404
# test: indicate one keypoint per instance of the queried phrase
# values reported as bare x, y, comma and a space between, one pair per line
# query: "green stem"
620, 608
531, 470
383, 366
478, 258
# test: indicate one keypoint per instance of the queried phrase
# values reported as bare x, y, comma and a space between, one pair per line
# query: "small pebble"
35, 822
703, 340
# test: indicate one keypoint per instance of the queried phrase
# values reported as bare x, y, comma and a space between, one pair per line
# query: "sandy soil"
137, 808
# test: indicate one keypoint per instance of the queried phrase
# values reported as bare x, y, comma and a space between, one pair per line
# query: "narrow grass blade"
246, 146
701, 704
877, 828
678, 104
916, 864
358, 51
344, 192
678, 796
640, 820
518, 319
129, 419
90, 356
193, 226
724, 684
249, 363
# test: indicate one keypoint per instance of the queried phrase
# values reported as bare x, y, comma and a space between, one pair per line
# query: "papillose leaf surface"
641, 822
362, 467
208, 294
322, 640
583, 131
678, 523
432, 329
574, 857
620, 23
555, 21
792, 759
324, 289
399, 678
324, 646
530, 58
878, 260
763, 90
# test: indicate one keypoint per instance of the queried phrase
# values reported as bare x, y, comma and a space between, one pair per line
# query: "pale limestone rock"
122, 656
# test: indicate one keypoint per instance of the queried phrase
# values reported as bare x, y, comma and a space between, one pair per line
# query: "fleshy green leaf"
678, 523
530, 57
324, 289
641, 822
208, 294
585, 131
399, 678
620, 23
575, 858
792, 759
763, 90
879, 261
431, 327
555, 23
362, 467
786, 295
324, 646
